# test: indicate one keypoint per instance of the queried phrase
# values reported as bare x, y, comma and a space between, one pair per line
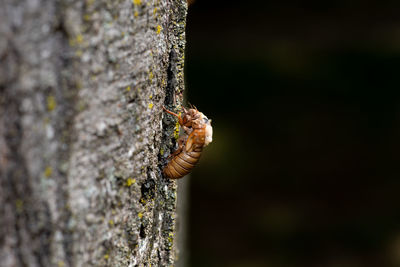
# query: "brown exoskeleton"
198, 134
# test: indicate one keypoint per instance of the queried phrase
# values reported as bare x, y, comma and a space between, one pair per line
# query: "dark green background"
305, 103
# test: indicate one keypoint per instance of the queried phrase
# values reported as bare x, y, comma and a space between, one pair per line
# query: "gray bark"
83, 137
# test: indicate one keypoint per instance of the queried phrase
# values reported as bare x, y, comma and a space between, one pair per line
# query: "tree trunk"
82, 135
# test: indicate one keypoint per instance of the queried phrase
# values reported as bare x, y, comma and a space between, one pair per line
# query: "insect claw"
193, 106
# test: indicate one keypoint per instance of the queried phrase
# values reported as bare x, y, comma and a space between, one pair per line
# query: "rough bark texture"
82, 134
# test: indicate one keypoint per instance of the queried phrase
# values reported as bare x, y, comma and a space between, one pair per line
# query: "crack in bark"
171, 79
65, 131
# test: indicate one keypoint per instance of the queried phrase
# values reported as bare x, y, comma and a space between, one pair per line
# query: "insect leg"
170, 112
174, 114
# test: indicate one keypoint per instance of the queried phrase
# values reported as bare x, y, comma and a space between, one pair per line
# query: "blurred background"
305, 102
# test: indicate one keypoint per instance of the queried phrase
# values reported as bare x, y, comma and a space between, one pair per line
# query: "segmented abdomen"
183, 163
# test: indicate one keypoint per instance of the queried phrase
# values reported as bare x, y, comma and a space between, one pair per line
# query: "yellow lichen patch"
176, 131
151, 75
140, 215
60, 264
78, 84
111, 223
154, 11
130, 182
89, 2
151, 105
79, 39
86, 17
81, 105
161, 151
136, 14
128, 88
19, 204
151, 96
170, 239
137, 2
51, 103
159, 28
48, 171
78, 53
106, 256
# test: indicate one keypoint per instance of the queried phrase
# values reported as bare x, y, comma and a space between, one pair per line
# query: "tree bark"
83, 138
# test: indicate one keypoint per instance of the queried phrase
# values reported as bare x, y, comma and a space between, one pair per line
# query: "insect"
197, 134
